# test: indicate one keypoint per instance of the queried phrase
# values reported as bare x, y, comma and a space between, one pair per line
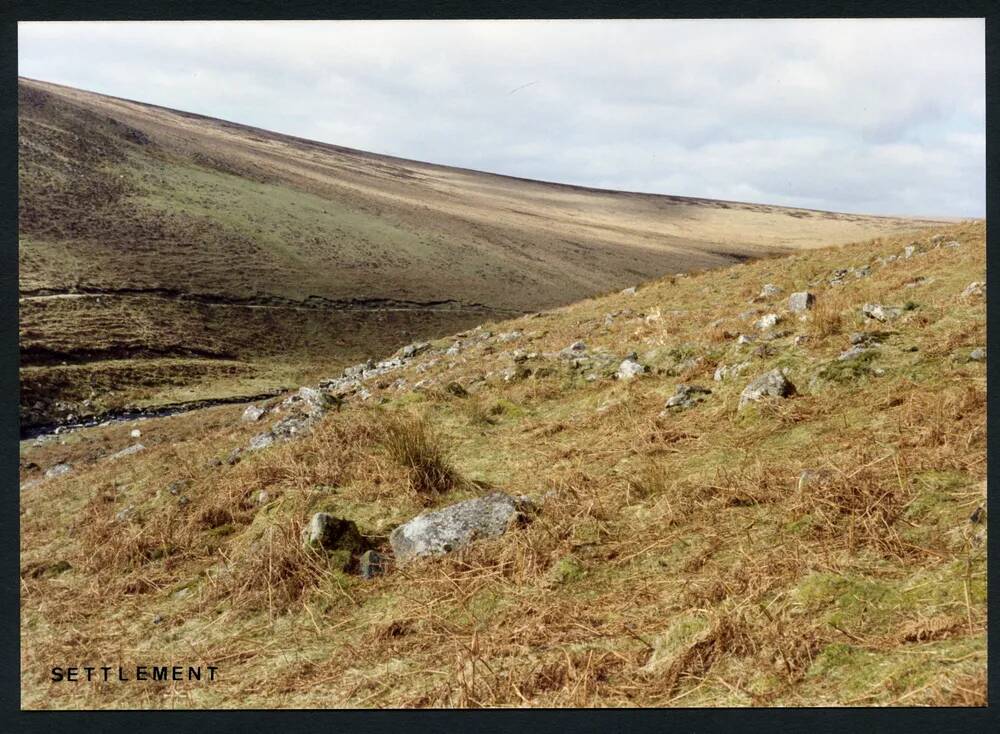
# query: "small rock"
878, 312
687, 396
856, 351
978, 355
128, 451
183, 501
454, 388
326, 532
263, 497
577, 347
252, 414
769, 290
630, 291
770, 384
723, 372
767, 321
136, 433
175, 488
412, 350
158, 619
801, 301
630, 368
235, 456
124, 514
372, 564
975, 288
58, 470
801, 339
978, 515
455, 526
510, 336
260, 441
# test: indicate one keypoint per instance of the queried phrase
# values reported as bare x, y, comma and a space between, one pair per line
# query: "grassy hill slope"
824, 549
222, 258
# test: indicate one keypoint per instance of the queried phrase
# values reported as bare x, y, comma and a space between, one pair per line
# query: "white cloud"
883, 116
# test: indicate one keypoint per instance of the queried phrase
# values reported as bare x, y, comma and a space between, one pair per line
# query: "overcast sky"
878, 116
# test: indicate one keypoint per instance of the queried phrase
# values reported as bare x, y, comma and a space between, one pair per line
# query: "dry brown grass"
676, 560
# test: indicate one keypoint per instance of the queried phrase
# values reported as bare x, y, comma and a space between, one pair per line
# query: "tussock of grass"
410, 442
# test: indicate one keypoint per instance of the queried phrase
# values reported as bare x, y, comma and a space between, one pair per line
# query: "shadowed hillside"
185, 257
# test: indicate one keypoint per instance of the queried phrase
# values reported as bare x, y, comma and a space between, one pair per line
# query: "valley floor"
826, 548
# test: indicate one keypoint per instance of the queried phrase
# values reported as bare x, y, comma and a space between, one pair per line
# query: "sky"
870, 116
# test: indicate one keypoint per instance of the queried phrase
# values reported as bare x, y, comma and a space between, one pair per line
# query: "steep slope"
224, 256
827, 548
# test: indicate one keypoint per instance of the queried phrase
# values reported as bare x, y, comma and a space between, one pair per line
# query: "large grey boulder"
441, 531
801, 301
770, 384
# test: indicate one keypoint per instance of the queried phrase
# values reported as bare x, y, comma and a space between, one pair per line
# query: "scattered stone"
455, 526
744, 340
769, 290
328, 533
128, 451
812, 477
136, 433
686, 396
58, 470
767, 321
175, 488
576, 347
770, 384
124, 514
372, 564
881, 313
801, 301
412, 350
630, 368
735, 370
978, 355
801, 339
510, 336
252, 414
975, 288
630, 291
856, 351
260, 441
516, 373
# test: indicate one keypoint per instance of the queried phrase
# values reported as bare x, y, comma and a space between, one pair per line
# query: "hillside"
822, 548
166, 256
